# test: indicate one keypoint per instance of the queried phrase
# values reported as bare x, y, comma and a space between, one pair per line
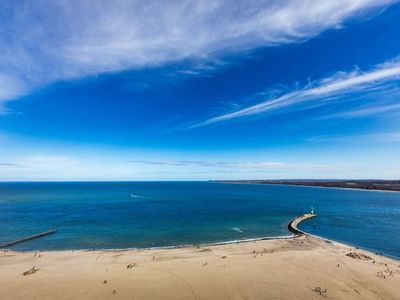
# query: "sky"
199, 90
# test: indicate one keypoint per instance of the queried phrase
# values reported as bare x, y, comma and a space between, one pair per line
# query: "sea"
121, 215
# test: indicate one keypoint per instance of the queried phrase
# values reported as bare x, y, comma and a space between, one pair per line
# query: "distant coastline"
368, 184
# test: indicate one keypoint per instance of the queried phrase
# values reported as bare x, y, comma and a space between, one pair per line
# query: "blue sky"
193, 90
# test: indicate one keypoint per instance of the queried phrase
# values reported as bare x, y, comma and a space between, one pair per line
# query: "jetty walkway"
293, 225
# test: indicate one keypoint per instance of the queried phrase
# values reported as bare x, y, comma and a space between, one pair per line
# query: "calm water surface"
157, 214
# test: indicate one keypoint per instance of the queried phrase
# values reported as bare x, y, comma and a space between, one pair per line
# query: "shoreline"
299, 267
296, 232
181, 246
239, 241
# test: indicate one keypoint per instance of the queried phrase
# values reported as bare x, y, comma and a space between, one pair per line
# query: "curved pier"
293, 224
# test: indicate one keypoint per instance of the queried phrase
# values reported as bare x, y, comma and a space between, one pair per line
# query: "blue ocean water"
158, 214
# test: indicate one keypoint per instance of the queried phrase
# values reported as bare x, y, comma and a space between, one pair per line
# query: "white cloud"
339, 85
45, 41
380, 137
48, 160
366, 111
7, 165
244, 165
10, 88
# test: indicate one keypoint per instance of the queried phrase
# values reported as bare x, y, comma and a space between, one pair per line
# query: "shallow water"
159, 214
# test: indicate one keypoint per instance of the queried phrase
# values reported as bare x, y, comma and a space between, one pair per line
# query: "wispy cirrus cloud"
3, 164
45, 41
245, 165
339, 85
366, 111
377, 137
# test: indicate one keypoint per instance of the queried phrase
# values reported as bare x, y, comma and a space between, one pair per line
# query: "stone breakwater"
293, 225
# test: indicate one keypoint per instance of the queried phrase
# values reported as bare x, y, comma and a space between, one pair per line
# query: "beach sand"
305, 268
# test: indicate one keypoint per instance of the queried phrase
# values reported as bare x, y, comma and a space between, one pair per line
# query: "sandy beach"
305, 267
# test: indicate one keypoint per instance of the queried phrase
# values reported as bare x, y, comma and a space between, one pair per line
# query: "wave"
237, 229
136, 196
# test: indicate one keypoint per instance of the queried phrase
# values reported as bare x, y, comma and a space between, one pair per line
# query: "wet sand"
305, 267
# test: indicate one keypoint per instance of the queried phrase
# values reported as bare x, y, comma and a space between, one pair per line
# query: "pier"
29, 238
293, 225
